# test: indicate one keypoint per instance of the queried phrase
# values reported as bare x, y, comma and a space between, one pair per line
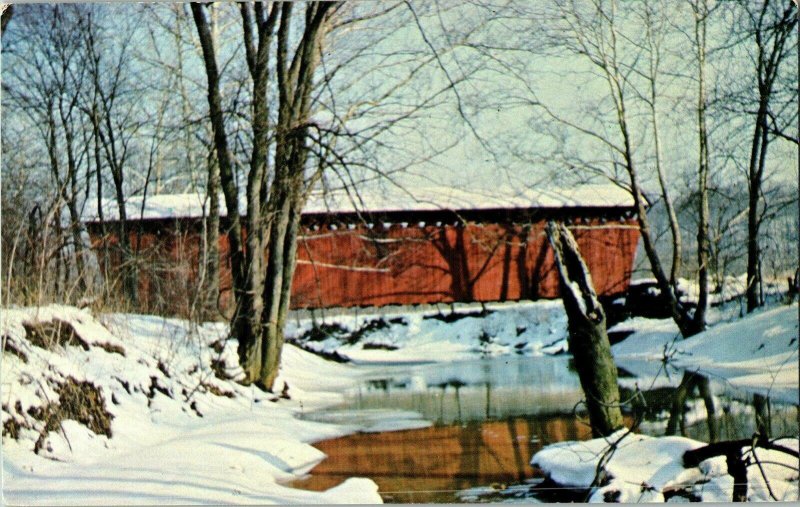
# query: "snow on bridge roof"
393, 200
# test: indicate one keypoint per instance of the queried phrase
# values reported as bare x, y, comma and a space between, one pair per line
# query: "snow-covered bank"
529, 328
638, 468
758, 352
169, 422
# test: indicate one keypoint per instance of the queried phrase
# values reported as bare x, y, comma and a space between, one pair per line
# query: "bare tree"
112, 111
654, 16
592, 33
769, 26
626, 67
243, 299
700, 10
273, 201
48, 89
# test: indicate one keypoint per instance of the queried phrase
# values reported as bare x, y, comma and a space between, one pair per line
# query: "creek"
472, 426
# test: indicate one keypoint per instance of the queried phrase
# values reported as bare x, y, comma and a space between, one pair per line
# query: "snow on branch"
576, 280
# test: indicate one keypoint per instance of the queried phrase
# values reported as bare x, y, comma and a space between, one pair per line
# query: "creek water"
474, 427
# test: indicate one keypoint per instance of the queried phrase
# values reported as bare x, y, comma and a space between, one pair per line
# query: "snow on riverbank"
758, 353
639, 468
169, 424
528, 328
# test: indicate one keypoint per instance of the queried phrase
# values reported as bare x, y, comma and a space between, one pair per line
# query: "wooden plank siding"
399, 258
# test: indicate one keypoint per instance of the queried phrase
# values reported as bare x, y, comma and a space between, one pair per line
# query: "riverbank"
758, 353
142, 409
441, 333
487, 408
163, 395
631, 468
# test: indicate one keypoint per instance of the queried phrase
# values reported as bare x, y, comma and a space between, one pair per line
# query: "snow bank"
526, 328
758, 352
637, 466
628, 468
182, 430
732, 289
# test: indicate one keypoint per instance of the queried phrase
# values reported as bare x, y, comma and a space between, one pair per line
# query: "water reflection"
433, 464
486, 418
472, 390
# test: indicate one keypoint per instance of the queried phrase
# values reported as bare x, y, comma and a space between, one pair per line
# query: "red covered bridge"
442, 245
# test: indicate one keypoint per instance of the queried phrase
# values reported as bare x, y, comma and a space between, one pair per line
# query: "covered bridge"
439, 245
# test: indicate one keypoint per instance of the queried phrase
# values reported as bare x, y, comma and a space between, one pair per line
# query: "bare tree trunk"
689, 382
678, 403
59, 254
295, 82
243, 324
209, 297
104, 262
262, 288
258, 221
772, 25
273, 289
290, 263
668, 289
757, 154
129, 280
275, 339
211, 289
704, 386
52, 149
763, 420
698, 323
72, 197
115, 148
588, 340
654, 52
615, 82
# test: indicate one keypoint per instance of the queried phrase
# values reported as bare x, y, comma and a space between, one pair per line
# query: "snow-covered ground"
730, 289
180, 431
176, 427
638, 468
529, 328
758, 353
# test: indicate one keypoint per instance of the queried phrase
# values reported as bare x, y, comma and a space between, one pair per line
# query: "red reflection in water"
432, 464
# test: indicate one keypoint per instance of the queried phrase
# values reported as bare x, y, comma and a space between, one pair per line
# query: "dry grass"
110, 348
78, 400
220, 369
11, 348
47, 335
216, 391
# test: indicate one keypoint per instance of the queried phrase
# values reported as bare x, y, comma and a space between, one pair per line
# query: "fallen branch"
694, 457
737, 464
